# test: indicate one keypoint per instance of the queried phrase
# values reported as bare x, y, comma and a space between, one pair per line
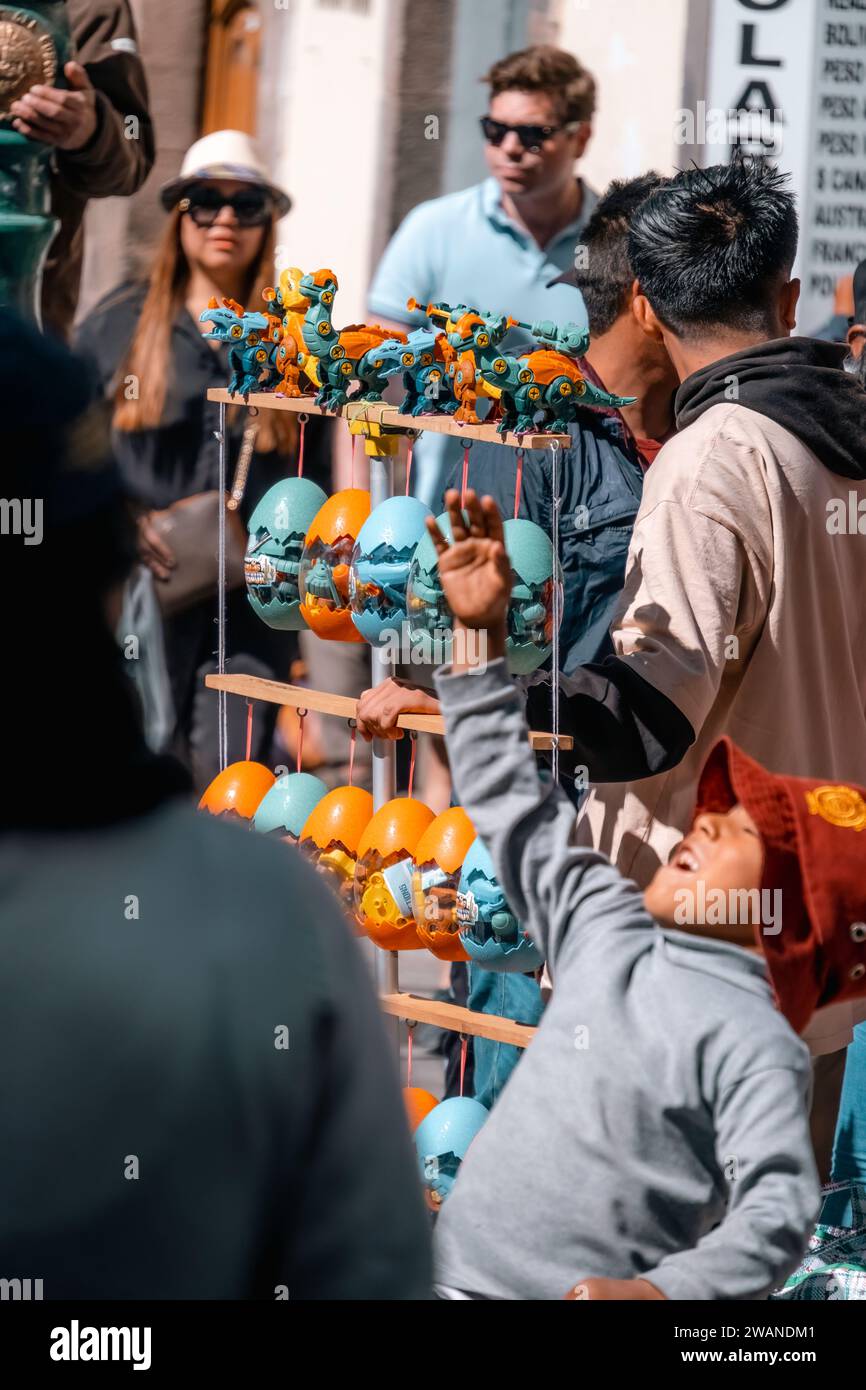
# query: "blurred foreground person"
195, 1091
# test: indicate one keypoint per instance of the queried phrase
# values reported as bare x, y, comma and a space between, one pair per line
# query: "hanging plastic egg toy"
430, 619
436, 881
277, 532
442, 1140
287, 806
383, 873
380, 567
237, 791
324, 570
332, 833
490, 933
418, 1103
530, 609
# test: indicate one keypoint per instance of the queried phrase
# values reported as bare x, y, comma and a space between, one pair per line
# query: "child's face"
720, 859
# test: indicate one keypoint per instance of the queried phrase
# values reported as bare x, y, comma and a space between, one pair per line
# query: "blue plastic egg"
530, 611
492, 935
380, 567
285, 808
430, 619
277, 530
441, 1141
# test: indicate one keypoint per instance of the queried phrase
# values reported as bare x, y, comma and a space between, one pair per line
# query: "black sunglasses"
531, 137
252, 207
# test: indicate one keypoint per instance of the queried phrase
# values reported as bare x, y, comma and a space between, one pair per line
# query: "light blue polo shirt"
464, 249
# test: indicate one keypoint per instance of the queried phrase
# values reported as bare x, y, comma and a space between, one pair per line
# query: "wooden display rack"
382, 426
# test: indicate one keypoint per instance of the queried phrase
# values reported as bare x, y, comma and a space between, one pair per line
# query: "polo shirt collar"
493, 210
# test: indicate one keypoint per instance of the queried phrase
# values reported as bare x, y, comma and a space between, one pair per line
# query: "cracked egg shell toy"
439, 857
490, 933
442, 1140
238, 790
383, 873
277, 533
332, 833
418, 1103
285, 809
380, 567
430, 618
324, 573
530, 609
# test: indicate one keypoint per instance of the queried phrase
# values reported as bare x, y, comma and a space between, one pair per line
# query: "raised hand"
474, 568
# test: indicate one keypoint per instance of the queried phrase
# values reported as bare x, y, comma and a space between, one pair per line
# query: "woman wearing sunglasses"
156, 366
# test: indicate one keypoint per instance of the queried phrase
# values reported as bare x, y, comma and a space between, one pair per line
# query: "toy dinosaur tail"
593, 396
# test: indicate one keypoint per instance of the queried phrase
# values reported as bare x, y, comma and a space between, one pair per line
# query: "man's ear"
788, 304
644, 314
581, 138
856, 338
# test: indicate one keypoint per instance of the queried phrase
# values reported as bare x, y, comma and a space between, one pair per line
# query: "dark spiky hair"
709, 247
603, 272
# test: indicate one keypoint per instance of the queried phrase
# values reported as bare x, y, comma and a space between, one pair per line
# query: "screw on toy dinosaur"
423, 359
341, 356
252, 344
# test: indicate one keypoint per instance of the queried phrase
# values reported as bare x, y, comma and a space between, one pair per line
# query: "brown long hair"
149, 356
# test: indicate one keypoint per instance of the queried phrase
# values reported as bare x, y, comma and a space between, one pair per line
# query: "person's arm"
558, 891
763, 1147
118, 152
407, 270
685, 598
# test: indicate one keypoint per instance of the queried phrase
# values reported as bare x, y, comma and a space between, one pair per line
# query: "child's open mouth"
684, 858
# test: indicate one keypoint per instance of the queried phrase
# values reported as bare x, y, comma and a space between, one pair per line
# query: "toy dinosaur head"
292, 296
231, 324
319, 287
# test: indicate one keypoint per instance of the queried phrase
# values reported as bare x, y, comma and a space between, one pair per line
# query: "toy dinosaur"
252, 344
287, 305
338, 357
423, 359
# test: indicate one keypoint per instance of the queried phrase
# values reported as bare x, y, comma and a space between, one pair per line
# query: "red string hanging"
354, 727
409, 464
302, 421
464, 482
354, 437
409, 1031
518, 486
302, 714
464, 1045
249, 729
413, 739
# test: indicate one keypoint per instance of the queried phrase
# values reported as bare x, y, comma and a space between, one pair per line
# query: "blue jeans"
849, 1148
510, 996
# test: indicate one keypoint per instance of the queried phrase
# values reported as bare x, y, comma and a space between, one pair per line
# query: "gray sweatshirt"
657, 1124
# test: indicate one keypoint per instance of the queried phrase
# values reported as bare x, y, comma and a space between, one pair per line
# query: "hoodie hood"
799, 383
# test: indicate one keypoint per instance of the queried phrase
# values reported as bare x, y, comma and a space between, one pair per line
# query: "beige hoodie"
744, 604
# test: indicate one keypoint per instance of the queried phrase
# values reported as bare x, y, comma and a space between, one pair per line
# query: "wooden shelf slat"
456, 1019
390, 418
343, 707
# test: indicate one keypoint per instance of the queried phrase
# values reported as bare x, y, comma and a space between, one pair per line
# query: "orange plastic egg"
237, 790
418, 1104
383, 873
332, 833
439, 857
324, 569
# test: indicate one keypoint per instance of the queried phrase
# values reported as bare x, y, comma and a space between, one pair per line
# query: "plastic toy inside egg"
380, 567
439, 858
530, 610
430, 619
383, 873
324, 567
442, 1140
284, 810
237, 791
277, 532
490, 933
331, 836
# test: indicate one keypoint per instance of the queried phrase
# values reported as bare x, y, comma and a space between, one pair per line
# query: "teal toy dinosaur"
252, 345
423, 360
340, 357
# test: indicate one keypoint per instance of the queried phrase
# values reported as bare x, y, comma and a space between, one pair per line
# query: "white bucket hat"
224, 154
